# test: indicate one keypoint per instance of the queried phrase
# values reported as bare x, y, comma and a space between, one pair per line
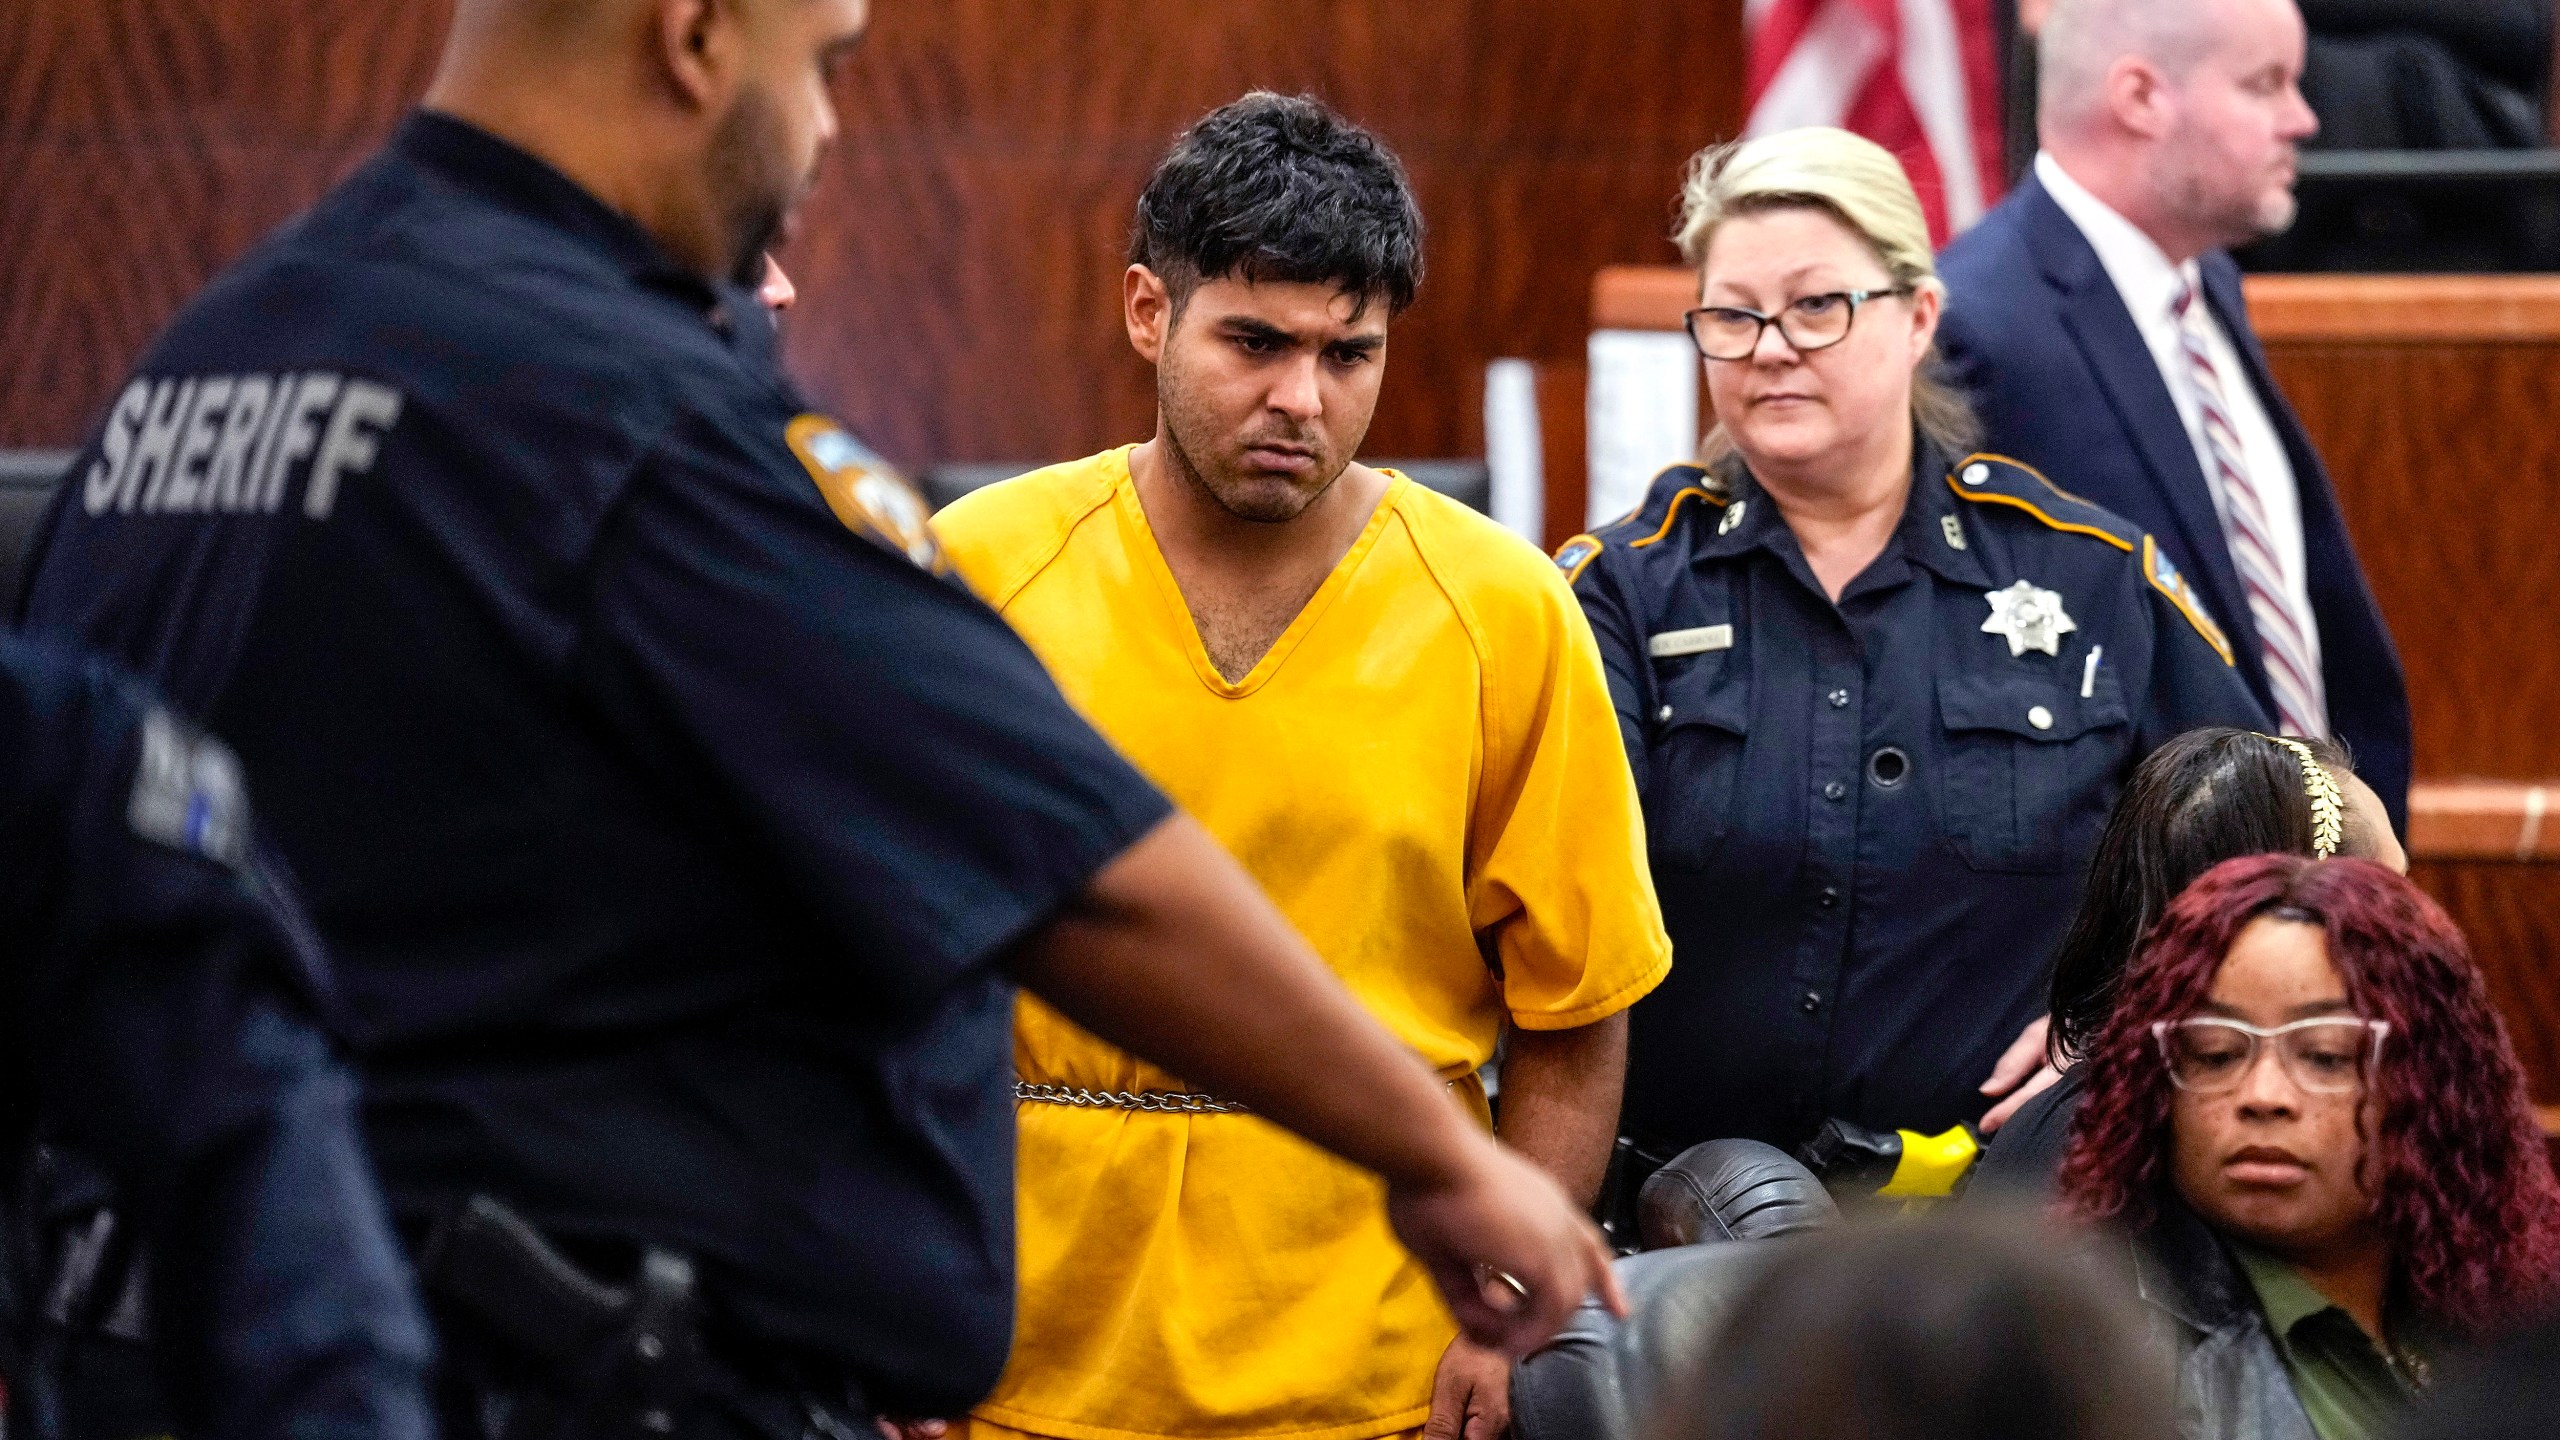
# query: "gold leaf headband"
2328, 807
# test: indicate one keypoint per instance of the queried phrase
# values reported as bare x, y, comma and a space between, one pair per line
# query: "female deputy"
2208, 796
2305, 1114
1878, 692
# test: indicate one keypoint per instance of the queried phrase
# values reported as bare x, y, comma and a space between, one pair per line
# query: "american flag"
1918, 77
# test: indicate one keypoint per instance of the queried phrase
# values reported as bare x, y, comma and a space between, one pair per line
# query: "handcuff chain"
1160, 1102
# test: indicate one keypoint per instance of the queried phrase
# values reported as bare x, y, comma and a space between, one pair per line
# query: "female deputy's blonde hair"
1857, 183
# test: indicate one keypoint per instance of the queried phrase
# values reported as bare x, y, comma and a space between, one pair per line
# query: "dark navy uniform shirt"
1869, 820
668, 806
166, 1004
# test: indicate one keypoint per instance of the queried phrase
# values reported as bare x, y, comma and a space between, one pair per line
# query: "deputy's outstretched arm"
1174, 954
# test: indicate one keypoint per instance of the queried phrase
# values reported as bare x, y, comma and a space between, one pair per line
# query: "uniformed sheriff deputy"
165, 1000
681, 824
1878, 698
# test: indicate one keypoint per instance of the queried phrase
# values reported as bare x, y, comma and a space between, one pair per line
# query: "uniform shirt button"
2040, 717
1662, 714
1835, 791
1839, 699
1811, 1004
1829, 898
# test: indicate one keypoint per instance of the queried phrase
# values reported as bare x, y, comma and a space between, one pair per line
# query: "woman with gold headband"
2208, 796
1879, 690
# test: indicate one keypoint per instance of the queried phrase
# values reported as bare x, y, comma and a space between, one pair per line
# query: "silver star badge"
2029, 619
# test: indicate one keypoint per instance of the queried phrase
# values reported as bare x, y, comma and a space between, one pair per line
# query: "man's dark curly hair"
1280, 188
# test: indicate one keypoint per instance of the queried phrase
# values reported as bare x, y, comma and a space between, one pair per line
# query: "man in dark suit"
2101, 330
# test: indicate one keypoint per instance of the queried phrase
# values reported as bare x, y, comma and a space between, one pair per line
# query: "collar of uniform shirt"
475, 160
1934, 519
1921, 537
1717, 531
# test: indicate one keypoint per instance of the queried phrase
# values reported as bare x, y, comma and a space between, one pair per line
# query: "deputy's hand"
1496, 1216
1471, 1394
913, 1429
2023, 1073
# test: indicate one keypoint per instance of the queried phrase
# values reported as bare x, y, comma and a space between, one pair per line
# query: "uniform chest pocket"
2031, 768
1694, 744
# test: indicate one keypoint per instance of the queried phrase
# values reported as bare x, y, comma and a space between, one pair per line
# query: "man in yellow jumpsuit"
1391, 711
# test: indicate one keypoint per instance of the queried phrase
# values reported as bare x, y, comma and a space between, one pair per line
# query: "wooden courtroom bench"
2436, 402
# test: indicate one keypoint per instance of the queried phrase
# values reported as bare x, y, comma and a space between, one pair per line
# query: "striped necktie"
2301, 706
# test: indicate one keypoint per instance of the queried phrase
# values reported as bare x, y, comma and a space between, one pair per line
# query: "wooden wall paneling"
2508, 911
1643, 297
147, 142
2428, 396
310, 72
1564, 425
2448, 469
2401, 310
959, 262
2484, 820
1545, 139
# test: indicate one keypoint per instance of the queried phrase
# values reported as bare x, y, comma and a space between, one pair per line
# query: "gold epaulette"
1999, 480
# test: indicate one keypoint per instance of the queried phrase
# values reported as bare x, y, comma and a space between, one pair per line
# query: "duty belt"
1163, 1102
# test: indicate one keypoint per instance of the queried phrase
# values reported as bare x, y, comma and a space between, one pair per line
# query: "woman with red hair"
2312, 1125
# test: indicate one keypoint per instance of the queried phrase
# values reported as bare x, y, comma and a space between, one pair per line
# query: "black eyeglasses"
1814, 322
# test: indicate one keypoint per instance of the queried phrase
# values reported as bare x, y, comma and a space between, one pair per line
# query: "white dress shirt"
2150, 286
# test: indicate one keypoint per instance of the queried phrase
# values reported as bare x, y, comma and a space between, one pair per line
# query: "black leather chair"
1712, 1220
1601, 1376
1730, 1190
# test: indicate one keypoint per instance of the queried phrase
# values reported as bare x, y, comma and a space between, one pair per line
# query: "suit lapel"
2095, 316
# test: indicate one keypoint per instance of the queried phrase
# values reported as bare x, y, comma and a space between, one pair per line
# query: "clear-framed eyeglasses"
1810, 323
2325, 1055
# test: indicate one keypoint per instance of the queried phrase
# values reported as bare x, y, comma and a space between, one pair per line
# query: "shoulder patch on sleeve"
1575, 554
2011, 484
866, 493
187, 793
2164, 577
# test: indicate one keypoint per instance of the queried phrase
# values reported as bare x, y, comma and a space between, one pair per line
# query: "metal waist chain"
1158, 1101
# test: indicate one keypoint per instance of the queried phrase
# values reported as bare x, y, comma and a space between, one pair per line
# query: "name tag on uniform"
1690, 642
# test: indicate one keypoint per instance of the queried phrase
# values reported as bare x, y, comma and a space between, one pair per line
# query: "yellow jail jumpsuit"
1427, 756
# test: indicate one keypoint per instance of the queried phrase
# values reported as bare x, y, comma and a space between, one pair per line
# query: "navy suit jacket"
2037, 334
